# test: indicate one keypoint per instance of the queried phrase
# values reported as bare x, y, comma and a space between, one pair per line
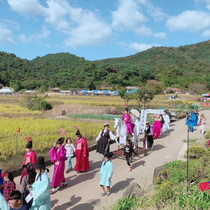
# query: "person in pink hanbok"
29, 157
82, 153
156, 129
126, 118
58, 157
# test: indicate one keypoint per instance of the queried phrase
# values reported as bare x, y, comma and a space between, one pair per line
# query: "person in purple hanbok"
156, 128
58, 156
126, 118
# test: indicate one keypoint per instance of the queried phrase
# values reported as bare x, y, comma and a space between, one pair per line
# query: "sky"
100, 29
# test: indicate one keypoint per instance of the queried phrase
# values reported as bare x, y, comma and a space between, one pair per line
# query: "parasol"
135, 112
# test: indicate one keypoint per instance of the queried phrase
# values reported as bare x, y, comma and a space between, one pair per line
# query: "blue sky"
99, 29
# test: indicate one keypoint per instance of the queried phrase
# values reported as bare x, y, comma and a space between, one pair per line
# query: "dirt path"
83, 191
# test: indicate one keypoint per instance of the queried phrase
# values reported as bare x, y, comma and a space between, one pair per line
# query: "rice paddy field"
45, 130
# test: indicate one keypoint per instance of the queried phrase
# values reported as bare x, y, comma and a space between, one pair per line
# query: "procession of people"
36, 186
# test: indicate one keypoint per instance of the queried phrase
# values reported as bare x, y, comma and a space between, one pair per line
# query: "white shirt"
111, 135
166, 118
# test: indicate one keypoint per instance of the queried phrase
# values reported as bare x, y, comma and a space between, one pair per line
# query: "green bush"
34, 102
194, 199
163, 176
196, 152
127, 203
164, 193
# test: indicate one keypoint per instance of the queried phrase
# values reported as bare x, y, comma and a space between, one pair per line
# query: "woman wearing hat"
29, 157
82, 153
102, 140
58, 157
126, 118
40, 189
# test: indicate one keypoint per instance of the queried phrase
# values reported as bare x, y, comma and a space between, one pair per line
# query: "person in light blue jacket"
40, 189
106, 174
3, 203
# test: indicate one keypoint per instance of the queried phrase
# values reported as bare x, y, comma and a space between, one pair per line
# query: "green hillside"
179, 67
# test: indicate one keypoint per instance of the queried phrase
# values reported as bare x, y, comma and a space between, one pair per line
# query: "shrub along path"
83, 191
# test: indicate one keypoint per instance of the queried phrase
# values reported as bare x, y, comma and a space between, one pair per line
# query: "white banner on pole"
143, 119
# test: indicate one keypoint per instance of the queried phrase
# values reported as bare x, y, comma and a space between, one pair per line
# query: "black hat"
126, 109
40, 163
78, 133
60, 140
29, 145
108, 155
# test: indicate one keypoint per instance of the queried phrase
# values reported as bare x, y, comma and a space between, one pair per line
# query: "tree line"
185, 67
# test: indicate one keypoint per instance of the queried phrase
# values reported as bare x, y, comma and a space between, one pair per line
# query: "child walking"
106, 174
29, 157
128, 151
70, 149
9, 185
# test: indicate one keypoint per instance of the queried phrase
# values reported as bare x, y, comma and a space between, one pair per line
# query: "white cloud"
156, 12
161, 35
127, 16
56, 14
82, 27
206, 33
12, 24
5, 35
190, 21
89, 31
139, 47
30, 7
35, 37
144, 31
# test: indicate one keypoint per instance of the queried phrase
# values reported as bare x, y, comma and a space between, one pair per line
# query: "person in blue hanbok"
191, 122
3, 203
106, 174
40, 189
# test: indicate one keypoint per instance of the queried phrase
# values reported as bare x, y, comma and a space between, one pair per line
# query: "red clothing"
30, 157
8, 187
58, 156
82, 155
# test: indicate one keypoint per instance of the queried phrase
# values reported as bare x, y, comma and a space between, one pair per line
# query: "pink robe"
58, 154
156, 129
28, 158
82, 155
126, 118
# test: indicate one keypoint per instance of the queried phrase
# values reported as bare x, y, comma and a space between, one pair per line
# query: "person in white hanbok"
40, 189
166, 119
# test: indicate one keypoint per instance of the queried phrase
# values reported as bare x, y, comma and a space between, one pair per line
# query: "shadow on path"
139, 163
87, 206
81, 177
158, 147
121, 185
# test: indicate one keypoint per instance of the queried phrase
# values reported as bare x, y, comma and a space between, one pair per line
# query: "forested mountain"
178, 67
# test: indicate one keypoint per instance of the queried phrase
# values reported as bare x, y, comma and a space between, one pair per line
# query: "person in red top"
82, 153
9, 185
29, 157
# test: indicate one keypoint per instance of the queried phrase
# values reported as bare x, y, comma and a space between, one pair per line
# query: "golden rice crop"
44, 133
16, 109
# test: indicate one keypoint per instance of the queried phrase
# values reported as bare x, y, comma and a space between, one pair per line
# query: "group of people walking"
34, 192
